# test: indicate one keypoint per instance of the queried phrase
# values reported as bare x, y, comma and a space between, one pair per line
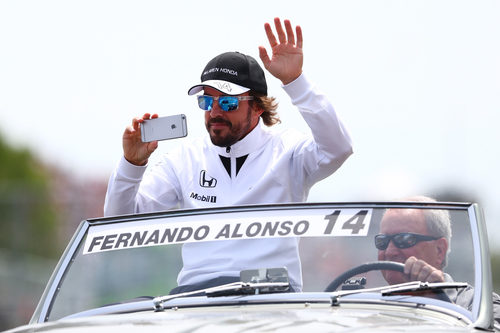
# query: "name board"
163, 231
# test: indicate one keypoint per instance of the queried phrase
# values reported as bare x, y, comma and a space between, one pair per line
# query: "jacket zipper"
232, 163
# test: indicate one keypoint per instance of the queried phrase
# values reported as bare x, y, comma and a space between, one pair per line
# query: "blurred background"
416, 82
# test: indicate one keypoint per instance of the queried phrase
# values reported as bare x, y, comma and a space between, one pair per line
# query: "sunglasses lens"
205, 102
404, 241
382, 241
228, 103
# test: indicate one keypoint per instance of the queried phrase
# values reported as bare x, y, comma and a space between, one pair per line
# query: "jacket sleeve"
136, 189
331, 144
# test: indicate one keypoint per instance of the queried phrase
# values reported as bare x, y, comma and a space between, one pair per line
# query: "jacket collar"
251, 142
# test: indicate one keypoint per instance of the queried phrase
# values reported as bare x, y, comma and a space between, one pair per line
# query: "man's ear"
256, 113
441, 249
258, 110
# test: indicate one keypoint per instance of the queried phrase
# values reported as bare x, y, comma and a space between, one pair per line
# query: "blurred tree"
451, 195
27, 213
495, 270
40, 208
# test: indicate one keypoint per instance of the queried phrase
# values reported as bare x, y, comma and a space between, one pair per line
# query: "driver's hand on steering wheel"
419, 270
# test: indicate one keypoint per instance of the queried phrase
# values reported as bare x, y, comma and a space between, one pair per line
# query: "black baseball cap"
232, 73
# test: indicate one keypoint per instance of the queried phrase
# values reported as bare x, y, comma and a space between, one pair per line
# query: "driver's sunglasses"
402, 240
226, 103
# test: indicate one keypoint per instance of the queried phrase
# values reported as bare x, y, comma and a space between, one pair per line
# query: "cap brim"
224, 87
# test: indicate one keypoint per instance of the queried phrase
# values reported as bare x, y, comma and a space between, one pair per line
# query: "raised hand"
287, 58
134, 150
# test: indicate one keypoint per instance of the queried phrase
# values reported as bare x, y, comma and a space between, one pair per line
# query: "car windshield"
116, 260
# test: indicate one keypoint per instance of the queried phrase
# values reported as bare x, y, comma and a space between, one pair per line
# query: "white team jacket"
279, 168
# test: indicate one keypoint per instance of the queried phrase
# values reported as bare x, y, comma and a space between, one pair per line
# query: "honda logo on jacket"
206, 180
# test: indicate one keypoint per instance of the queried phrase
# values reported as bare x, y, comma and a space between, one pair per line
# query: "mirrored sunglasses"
402, 240
226, 103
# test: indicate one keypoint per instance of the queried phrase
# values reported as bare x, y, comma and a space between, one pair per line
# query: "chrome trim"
482, 308
277, 207
371, 299
45, 304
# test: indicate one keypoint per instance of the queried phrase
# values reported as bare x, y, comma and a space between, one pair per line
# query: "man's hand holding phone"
134, 150
141, 139
164, 128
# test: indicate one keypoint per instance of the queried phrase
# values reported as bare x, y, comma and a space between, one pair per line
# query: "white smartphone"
164, 128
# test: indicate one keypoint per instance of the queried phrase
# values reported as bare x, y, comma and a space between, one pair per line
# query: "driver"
421, 240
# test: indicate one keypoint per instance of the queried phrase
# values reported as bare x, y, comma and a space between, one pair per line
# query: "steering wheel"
367, 267
372, 266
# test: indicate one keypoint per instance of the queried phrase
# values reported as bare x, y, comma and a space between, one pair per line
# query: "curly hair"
270, 116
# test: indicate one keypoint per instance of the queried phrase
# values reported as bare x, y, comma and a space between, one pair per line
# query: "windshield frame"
482, 306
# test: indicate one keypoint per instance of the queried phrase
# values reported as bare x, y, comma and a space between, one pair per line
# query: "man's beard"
236, 132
